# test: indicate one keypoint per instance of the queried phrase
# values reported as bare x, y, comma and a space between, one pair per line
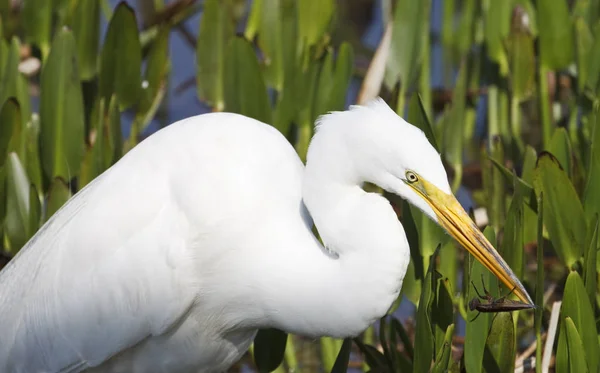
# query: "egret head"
387, 151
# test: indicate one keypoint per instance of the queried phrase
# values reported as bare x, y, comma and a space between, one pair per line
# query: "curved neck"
312, 293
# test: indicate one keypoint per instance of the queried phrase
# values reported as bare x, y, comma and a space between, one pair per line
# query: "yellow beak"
454, 219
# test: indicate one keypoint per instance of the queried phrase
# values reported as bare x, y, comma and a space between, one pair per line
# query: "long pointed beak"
455, 220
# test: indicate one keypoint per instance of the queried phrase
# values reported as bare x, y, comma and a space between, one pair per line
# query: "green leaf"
269, 348
563, 212
591, 273
417, 116
16, 224
576, 306
478, 325
216, 30
570, 355
12, 82
442, 312
539, 281
593, 72
37, 23
405, 50
591, 192
35, 211
513, 245
373, 357
157, 69
121, 58
500, 347
61, 110
522, 63
343, 358
270, 41
58, 194
31, 136
560, 147
86, 28
10, 122
527, 190
333, 82
584, 41
556, 33
314, 17
454, 125
443, 358
424, 334
245, 90
497, 27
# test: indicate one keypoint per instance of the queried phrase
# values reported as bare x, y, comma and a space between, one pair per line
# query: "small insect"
501, 304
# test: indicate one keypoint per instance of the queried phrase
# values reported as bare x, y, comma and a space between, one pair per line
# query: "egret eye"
411, 177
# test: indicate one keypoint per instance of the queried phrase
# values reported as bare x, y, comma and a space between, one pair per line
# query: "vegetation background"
506, 90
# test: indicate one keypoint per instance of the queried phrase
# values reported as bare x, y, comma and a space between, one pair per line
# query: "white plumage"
171, 259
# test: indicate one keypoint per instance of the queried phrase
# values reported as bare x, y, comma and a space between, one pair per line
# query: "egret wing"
107, 271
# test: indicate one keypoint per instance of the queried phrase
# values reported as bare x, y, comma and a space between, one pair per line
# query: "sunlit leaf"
424, 334
16, 224
333, 81
37, 23
478, 324
560, 147
563, 212
157, 69
512, 243
121, 58
443, 357
10, 123
576, 306
343, 358
591, 254
405, 50
12, 82
591, 193
497, 27
216, 30
245, 90
556, 33
86, 28
61, 110
500, 346
570, 352
58, 194
314, 17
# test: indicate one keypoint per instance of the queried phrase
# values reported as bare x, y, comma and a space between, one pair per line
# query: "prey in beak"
455, 220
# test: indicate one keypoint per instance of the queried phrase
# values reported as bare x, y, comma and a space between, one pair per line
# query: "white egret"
174, 257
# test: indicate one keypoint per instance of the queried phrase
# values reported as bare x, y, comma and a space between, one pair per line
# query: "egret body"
173, 258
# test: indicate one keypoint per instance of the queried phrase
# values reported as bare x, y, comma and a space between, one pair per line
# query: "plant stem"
546, 113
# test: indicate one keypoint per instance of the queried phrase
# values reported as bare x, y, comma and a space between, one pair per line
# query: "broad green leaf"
526, 188
417, 116
497, 27
314, 18
443, 357
593, 72
12, 82
61, 110
411, 286
512, 243
583, 45
37, 23
591, 254
58, 195
442, 312
500, 346
35, 210
31, 140
563, 214
405, 50
254, 19
478, 324
591, 193
570, 353
556, 33
16, 223
245, 90
86, 28
539, 281
269, 348
560, 147
449, 259
10, 123
454, 126
522, 63
343, 358
333, 82
424, 334
576, 306
270, 41
121, 58
157, 69
216, 31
